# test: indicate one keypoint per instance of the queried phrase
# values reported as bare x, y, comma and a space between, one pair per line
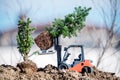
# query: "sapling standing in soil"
25, 42
24, 38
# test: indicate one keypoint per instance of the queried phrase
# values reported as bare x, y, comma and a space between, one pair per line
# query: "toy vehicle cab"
79, 64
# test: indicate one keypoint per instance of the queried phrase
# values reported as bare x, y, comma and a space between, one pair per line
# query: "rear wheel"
87, 70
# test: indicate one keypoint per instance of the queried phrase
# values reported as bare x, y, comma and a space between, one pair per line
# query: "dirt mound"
27, 66
52, 73
99, 75
44, 40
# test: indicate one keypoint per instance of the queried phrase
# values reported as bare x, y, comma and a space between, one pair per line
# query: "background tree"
110, 17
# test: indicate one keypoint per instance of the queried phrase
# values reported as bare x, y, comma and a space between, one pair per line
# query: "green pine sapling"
70, 24
24, 38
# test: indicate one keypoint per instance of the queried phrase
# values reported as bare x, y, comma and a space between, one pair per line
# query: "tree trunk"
25, 57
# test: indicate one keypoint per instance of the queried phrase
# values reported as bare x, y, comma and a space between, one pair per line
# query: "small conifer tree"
70, 24
24, 38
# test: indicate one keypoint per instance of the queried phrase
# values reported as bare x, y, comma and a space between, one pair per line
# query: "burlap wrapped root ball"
44, 40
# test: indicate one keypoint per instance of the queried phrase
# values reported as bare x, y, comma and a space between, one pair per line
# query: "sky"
42, 11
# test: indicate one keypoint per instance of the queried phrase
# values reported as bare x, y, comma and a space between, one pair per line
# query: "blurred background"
100, 36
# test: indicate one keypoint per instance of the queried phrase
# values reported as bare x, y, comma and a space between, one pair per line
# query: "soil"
50, 72
44, 40
27, 66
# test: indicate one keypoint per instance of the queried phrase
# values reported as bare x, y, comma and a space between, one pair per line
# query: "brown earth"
50, 72
27, 66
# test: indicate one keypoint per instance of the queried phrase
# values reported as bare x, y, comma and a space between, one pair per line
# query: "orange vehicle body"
78, 67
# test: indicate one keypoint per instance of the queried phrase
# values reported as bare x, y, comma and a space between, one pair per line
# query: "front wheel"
63, 66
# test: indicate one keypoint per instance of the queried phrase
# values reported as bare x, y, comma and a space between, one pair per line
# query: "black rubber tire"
90, 69
63, 66
84, 70
87, 70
